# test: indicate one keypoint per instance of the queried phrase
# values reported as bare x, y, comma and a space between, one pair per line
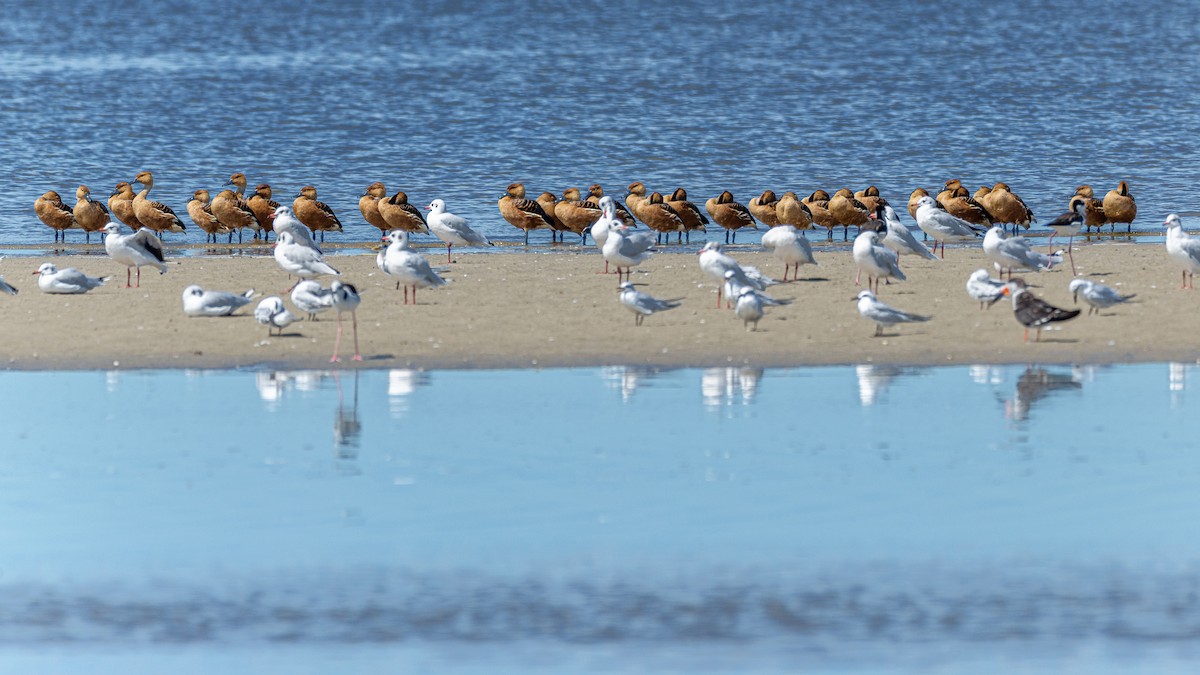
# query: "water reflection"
402, 382
874, 380
627, 379
347, 428
728, 386
1035, 384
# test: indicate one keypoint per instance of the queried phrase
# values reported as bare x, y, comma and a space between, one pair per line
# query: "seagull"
607, 222
715, 263
452, 229
1096, 295
878, 261
409, 267
942, 226
133, 250
199, 302
625, 251
311, 298
346, 299
899, 238
298, 259
791, 246
286, 221
733, 288
1068, 224
1184, 250
68, 281
641, 304
6, 288
749, 308
1033, 312
984, 288
870, 308
272, 314
1009, 252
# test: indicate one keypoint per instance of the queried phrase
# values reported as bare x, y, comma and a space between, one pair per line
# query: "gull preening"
1009, 252
899, 238
1184, 250
303, 261
871, 309
452, 229
985, 289
68, 281
1068, 224
877, 260
410, 268
1032, 311
272, 313
199, 302
605, 224
1096, 295
790, 246
715, 264
641, 304
133, 250
312, 298
346, 299
943, 226
626, 251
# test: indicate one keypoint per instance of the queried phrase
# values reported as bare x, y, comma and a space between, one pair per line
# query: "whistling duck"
981, 194
523, 214
914, 198
818, 206
595, 193
400, 215
263, 208
871, 199
691, 215
1006, 207
762, 208
660, 217
238, 181
233, 213
1119, 206
948, 191
368, 204
120, 204
962, 205
791, 211
201, 213
635, 198
54, 213
549, 204
729, 214
316, 215
154, 215
576, 215
847, 210
1093, 208
90, 215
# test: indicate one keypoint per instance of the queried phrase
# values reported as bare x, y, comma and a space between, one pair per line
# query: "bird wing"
148, 240
1032, 311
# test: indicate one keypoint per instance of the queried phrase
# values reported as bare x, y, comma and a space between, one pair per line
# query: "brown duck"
729, 214
90, 215
54, 213
523, 214
316, 215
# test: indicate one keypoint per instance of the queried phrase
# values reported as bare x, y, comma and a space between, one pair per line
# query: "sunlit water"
869, 519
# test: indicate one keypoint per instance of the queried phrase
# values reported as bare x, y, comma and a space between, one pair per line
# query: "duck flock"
953, 215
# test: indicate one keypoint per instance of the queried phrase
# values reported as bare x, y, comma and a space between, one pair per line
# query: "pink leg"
406, 295
354, 317
128, 277
1050, 245
1071, 256
858, 278
337, 341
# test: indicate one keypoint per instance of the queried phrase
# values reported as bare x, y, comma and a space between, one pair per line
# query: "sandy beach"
552, 308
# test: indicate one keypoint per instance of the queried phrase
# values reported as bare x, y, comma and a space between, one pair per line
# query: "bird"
5, 287
1183, 249
634, 198
948, 191
151, 214
749, 308
943, 226
1033, 312
625, 252
134, 250
982, 287
549, 204
346, 299
410, 268
311, 298
871, 309
1096, 295
961, 204
596, 193
847, 210
610, 220
238, 181
90, 215
68, 281
877, 260
523, 214
54, 213
272, 313
575, 214
200, 211
791, 211
284, 220
762, 208
729, 214
199, 302
120, 204
233, 213
642, 304
1068, 224
400, 215
1006, 208
715, 263
899, 238
661, 217
914, 200
368, 205
733, 288
1119, 206
263, 208
1093, 208
870, 198
818, 206
691, 215
791, 246
303, 261
1010, 252
316, 215
452, 229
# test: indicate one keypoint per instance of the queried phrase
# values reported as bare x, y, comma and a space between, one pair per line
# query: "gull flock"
951, 216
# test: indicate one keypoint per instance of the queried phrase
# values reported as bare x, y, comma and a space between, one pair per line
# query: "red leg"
128, 277
354, 318
139, 277
337, 341
448, 247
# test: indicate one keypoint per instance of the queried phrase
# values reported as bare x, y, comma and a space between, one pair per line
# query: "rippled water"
455, 100
868, 519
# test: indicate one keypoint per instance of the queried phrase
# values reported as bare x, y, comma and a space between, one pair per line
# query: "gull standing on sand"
133, 250
942, 226
641, 304
749, 308
984, 288
199, 302
1009, 252
452, 229
1096, 295
715, 263
311, 298
273, 314
878, 261
791, 246
286, 221
1184, 250
871, 309
346, 299
899, 238
1068, 224
1033, 312
410, 268
300, 260
733, 288
608, 220
69, 281
625, 251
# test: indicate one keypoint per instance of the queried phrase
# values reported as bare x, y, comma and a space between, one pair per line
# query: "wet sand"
547, 308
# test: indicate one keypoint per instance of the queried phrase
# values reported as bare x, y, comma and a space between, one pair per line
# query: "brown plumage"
729, 214
368, 204
961, 204
914, 198
595, 192
316, 215
791, 211
549, 204
660, 217
691, 215
635, 198
1119, 206
154, 215
263, 208
762, 208
398, 214
1093, 212
523, 214
120, 204
238, 181
54, 213
575, 214
871, 199
847, 210
948, 191
90, 215
981, 194
233, 213
1006, 207
200, 211
818, 206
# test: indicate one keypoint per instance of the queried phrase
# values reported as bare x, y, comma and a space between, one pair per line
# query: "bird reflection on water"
347, 427
1035, 384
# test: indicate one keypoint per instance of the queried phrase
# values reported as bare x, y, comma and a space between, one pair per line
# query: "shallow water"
456, 100
847, 519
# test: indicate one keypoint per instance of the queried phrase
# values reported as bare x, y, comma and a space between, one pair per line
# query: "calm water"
457, 99
727, 520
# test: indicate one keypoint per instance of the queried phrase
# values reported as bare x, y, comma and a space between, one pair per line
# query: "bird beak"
427, 208
1006, 291
37, 271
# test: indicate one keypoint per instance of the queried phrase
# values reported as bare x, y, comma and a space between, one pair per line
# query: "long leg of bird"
857, 278
337, 341
127, 278
1050, 245
448, 247
720, 291
878, 329
354, 321
1071, 256
139, 277
405, 292
1026, 340
414, 295
726, 236
526, 237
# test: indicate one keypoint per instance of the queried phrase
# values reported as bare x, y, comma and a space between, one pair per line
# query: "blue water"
456, 100
844, 519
